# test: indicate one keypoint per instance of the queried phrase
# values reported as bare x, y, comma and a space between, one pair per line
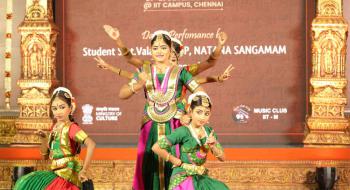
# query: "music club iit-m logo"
241, 114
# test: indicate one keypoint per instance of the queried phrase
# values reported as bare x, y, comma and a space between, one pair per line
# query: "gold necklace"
162, 69
57, 127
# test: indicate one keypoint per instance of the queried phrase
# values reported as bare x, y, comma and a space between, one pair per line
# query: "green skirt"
43, 180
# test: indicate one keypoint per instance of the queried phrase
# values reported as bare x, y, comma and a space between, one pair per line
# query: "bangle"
132, 88
167, 157
219, 80
120, 70
212, 57
125, 51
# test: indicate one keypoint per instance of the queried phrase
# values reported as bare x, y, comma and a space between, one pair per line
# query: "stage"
245, 168
283, 113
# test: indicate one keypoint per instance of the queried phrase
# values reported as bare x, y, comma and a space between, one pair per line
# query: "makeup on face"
200, 116
60, 110
160, 51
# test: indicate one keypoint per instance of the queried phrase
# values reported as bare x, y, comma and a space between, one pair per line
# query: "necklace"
160, 87
195, 134
161, 69
56, 129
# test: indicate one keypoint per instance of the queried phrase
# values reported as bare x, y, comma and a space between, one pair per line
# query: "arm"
44, 150
166, 155
211, 61
191, 84
208, 79
165, 142
125, 74
128, 90
199, 88
133, 87
90, 144
115, 35
218, 152
103, 65
221, 78
132, 59
79, 136
215, 147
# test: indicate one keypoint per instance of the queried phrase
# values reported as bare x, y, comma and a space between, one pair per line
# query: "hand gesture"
112, 32
226, 74
82, 175
211, 140
185, 119
222, 38
175, 161
101, 63
41, 133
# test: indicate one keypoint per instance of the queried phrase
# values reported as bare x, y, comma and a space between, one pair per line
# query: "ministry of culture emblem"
87, 117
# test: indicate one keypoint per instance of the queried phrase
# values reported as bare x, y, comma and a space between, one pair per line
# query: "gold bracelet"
120, 70
167, 157
212, 57
125, 51
219, 79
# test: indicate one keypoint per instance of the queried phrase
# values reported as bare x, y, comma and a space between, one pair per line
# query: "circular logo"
241, 114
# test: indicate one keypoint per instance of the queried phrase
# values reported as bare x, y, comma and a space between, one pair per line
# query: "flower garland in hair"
200, 93
195, 97
67, 94
159, 32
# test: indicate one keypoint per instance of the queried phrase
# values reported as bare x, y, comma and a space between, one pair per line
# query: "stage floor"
244, 168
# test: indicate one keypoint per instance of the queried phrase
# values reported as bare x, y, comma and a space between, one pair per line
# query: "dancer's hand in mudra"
211, 140
112, 32
226, 74
102, 64
185, 119
40, 133
222, 38
82, 175
175, 161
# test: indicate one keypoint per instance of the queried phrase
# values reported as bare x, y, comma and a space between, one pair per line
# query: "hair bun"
197, 95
